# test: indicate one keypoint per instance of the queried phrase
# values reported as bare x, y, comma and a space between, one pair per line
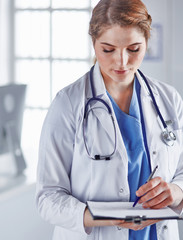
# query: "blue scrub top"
133, 133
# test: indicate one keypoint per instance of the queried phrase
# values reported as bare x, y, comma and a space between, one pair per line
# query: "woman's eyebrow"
111, 45
137, 43
108, 44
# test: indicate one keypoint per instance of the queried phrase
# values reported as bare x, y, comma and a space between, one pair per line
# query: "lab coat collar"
100, 89
98, 82
144, 88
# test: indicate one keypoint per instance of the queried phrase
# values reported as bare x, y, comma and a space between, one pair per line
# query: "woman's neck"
121, 93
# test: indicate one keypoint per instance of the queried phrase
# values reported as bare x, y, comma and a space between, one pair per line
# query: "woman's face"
119, 52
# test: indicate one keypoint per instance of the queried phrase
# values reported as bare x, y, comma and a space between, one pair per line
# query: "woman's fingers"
144, 189
155, 194
137, 227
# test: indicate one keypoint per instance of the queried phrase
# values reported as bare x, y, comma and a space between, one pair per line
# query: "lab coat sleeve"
178, 177
178, 103
54, 198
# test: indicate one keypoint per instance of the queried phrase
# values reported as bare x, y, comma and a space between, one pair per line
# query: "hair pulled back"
124, 13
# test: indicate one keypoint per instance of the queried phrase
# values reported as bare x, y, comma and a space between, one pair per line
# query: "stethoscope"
167, 136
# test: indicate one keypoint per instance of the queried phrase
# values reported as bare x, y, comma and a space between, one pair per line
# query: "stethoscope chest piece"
168, 137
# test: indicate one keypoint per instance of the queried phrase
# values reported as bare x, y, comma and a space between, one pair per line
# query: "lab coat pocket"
174, 151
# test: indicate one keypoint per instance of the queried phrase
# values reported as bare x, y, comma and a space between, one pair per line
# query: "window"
52, 49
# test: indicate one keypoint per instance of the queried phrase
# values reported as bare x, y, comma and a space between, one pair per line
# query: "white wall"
177, 47
169, 69
160, 13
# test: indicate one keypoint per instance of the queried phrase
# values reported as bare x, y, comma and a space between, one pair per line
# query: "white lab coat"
67, 177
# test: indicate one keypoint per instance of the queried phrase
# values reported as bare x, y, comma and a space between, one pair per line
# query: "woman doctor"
78, 130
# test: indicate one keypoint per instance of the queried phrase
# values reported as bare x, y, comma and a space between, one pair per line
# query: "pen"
150, 177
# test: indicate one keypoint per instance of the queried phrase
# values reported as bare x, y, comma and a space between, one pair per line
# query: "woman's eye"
133, 50
107, 51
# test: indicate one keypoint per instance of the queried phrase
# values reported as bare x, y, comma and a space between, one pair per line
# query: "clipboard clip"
135, 219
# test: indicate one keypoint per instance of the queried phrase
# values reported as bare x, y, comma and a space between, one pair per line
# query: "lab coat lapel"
101, 113
149, 112
150, 117
98, 83
100, 92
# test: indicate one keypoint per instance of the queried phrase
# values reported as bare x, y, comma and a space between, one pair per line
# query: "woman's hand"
134, 226
158, 194
89, 222
155, 194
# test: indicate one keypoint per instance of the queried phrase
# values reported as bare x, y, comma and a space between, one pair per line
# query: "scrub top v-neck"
133, 133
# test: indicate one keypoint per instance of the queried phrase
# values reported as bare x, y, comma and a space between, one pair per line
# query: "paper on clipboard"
125, 210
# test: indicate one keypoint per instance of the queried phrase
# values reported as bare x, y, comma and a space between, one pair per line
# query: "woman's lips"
120, 71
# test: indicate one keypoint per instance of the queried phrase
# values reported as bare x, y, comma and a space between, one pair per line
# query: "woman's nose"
122, 59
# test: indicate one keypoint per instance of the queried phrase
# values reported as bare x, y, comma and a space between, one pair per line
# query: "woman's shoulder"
164, 88
158, 84
74, 90
169, 96
71, 98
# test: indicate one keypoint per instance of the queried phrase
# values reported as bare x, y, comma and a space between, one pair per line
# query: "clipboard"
126, 211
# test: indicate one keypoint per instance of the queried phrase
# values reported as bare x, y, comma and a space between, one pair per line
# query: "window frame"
34, 115
50, 58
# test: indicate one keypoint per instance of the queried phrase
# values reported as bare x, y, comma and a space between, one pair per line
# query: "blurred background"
45, 45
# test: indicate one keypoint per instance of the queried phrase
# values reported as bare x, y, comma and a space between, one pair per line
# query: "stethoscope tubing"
94, 98
154, 101
168, 137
